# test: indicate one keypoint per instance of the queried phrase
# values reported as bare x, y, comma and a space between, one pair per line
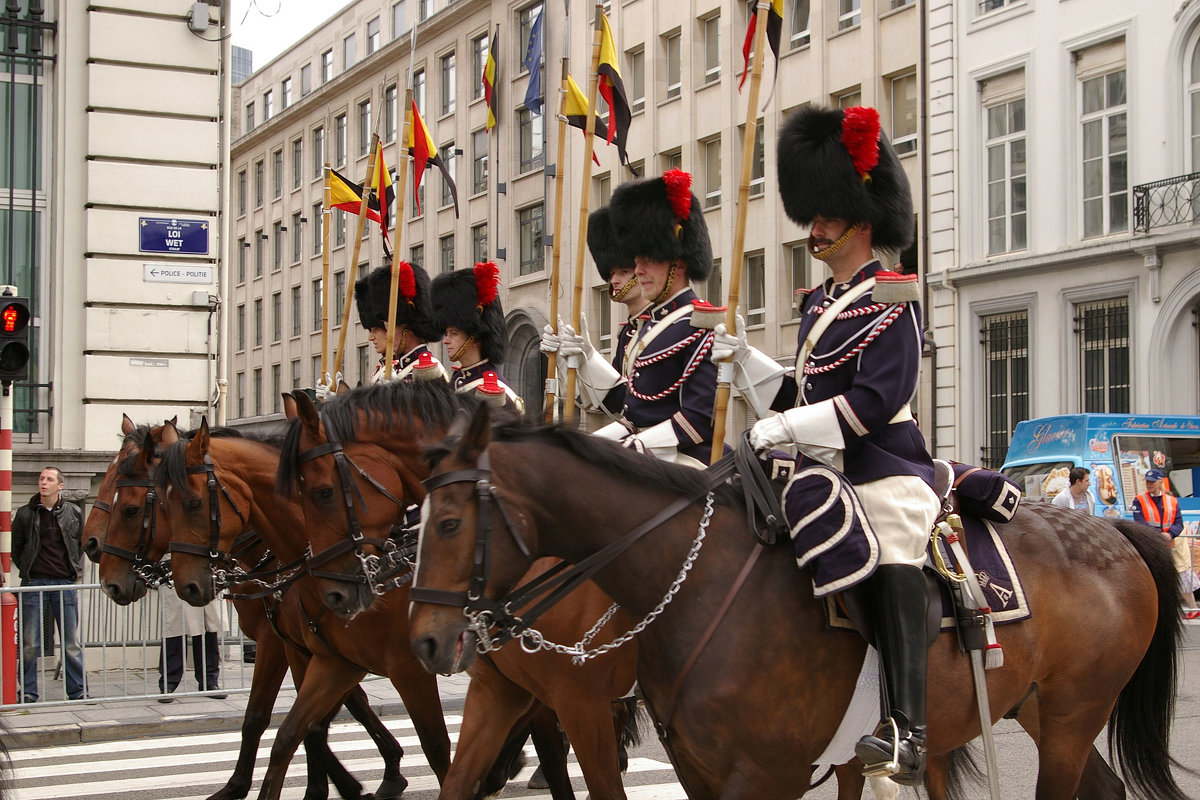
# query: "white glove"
327, 386
815, 430
550, 340
575, 344
726, 346
769, 433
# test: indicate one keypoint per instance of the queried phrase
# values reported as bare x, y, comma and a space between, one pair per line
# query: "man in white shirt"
1076, 495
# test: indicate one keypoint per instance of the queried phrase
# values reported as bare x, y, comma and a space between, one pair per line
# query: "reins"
152, 573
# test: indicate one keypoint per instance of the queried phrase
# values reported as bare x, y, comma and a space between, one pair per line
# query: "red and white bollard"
8, 648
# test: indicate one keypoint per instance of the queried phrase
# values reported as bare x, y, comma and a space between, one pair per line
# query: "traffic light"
14, 339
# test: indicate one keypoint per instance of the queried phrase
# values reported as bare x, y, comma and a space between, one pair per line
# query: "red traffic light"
14, 318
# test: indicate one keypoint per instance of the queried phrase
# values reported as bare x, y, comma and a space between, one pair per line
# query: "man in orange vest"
1157, 509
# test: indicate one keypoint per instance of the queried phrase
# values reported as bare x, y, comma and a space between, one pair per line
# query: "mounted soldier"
847, 405
666, 389
468, 313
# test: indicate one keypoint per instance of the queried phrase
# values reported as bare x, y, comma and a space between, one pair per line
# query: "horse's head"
353, 489
204, 510
91, 535
129, 548
468, 557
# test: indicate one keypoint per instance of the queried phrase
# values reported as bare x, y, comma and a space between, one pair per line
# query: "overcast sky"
268, 27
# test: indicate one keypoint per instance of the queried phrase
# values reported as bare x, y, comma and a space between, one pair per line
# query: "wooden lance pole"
725, 368
401, 179
352, 273
585, 195
326, 211
556, 250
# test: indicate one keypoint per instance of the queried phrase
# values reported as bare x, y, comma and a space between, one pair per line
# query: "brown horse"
1107, 656
380, 430
123, 582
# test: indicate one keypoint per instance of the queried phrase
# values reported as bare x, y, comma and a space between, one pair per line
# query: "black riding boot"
899, 605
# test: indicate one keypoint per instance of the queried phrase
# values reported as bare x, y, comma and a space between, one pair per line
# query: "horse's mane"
172, 468
381, 406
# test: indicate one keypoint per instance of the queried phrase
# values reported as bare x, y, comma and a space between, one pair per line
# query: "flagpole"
585, 193
352, 272
402, 177
725, 368
326, 211
556, 251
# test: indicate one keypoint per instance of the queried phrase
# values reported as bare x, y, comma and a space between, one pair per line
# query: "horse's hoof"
391, 788
538, 780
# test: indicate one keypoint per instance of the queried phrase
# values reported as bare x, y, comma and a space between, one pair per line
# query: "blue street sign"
172, 235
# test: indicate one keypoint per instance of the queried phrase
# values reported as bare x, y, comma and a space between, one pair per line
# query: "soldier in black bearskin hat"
467, 310
667, 393
617, 270
848, 405
413, 323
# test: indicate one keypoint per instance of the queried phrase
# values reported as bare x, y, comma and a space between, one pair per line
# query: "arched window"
1192, 79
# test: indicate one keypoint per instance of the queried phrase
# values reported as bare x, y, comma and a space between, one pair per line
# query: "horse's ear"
289, 405
168, 434
308, 413
343, 388
145, 456
174, 421
478, 434
198, 446
127, 426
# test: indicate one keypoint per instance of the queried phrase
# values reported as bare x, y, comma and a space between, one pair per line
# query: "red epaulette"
706, 316
892, 287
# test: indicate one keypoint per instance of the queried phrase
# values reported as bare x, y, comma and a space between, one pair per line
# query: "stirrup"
885, 769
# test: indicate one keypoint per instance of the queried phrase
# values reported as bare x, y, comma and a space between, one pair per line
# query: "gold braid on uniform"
457, 353
666, 292
828, 252
624, 290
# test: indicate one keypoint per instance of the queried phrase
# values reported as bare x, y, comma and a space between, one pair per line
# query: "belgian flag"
347, 195
612, 89
575, 110
423, 152
774, 31
489, 80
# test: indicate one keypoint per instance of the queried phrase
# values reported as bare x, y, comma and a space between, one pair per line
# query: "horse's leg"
552, 748
394, 783
418, 689
1068, 724
326, 681
493, 706
850, 781
589, 726
1098, 780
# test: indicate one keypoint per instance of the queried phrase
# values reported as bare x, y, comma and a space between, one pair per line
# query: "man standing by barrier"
47, 552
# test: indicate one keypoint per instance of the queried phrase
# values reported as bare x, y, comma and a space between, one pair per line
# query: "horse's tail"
1140, 726
628, 718
962, 771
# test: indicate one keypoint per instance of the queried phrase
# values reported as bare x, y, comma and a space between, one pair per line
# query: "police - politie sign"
173, 235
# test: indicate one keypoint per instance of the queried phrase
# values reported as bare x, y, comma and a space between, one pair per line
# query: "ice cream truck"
1118, 449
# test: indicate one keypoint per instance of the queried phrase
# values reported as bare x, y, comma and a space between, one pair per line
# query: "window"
276, 316
268, 104
372, 35
991, 5
603, 189
525, 19
636, 61
241, 394
419, 90
364, 127
318, 153
249, 116
243, 246
532, 153
258, 387
364, 364
418, 208
277, 246
297, 305
277, 174
424, 9
297, 237
258, 322
711, 152
1193, 101
297, 163
711, 31
338, 223
326, 67
849, 13
802, 272
316, 367
850, 99
1105, 140
349, 53
391, 113
758, 167
260, 179
399, 19
241, 193
479, 162
713, 287
755, 270
479, 243
529, 224
800, 33
306, 80
904, 113
447, 62
672, 160
1103, 334
1005, 340
276, 389
296, 376
1004, 151
241, 327
450, 157
339, 291
318, 228
446, 247
479, 51
671, 51
602, 311
894, 4
317, 304
285, 93
259, 237
416, 254
339, 140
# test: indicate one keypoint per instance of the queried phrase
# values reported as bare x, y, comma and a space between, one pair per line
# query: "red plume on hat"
860, 137
487, 282
408, 281
679, 192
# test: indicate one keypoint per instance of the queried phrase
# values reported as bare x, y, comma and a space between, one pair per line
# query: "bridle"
380, 573
152, 573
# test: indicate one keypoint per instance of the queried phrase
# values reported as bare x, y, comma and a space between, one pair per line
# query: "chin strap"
828, 252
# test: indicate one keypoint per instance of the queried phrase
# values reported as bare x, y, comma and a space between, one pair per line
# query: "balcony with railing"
1161, 204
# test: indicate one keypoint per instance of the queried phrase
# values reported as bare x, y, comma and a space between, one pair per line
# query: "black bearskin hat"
412, 300
838, 163
660, 218
469, 299
602, 243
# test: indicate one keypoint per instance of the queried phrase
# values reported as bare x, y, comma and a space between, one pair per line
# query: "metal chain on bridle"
151, 573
